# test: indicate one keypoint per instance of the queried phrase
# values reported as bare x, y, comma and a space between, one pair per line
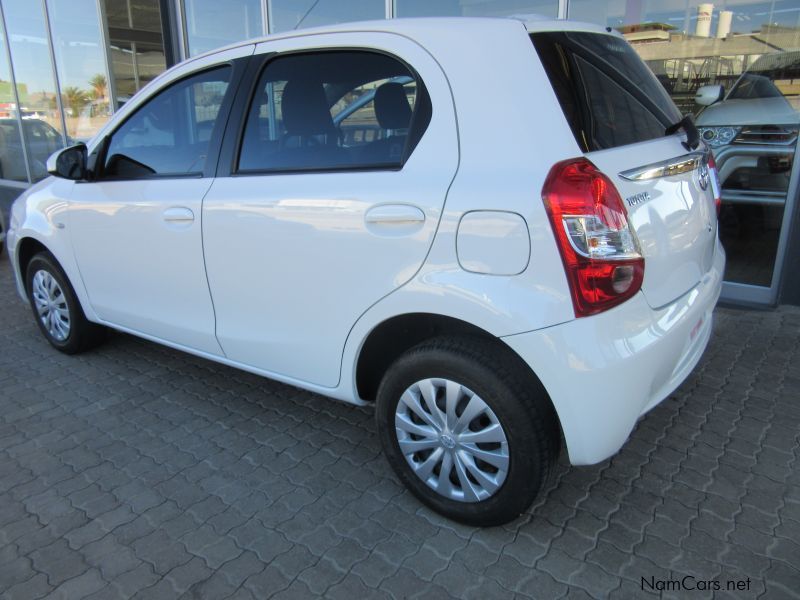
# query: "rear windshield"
609, 96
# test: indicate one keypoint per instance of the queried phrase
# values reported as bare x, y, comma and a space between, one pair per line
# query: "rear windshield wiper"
692, 135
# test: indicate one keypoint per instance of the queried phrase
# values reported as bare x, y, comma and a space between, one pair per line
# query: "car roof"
409, 26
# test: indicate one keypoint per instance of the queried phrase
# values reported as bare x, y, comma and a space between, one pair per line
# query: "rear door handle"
178, 214
394, 214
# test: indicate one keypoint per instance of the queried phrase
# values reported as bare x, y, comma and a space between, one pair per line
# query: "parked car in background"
753, 129
42, 140
492, 271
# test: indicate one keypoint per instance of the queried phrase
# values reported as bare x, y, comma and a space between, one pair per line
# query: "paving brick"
560, 566
268, 582
115, 517
525, 550
394, 549
16, 571
322, 576
182, 577
293, 562
508, 572
219, 552
35, 587
783, 581
265, 543
80, 536
538, 584
59, 562
404, 584
110, 557
83, 585
161, 552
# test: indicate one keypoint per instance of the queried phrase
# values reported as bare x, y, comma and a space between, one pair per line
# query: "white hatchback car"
491, 229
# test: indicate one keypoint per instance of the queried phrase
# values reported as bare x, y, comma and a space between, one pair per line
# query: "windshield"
771, 76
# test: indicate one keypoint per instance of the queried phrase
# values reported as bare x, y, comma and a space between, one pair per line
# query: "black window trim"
237, 121
237, 68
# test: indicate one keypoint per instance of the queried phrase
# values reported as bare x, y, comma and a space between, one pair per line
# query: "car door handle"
395, 214
178, 214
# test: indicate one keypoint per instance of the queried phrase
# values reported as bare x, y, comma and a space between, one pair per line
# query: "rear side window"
609, 96
333, 110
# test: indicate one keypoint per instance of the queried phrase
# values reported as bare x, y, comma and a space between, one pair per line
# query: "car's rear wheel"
56, 308
467, 430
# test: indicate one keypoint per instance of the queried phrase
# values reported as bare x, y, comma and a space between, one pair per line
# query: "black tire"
83, 334
518, 401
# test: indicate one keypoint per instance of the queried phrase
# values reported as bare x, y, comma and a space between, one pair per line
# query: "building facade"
66, 65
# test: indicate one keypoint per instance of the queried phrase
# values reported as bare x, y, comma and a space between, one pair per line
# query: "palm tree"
99, 86
74, 98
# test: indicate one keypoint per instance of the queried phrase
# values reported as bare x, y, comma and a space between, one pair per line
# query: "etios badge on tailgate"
639, 198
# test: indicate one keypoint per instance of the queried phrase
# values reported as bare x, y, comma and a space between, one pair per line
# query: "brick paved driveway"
139, 471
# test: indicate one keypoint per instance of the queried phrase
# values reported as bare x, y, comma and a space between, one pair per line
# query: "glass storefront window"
735, 65
137, 45
286, 15
39, 110
211, 23
135, 64
475, 8
12, 159
81, 66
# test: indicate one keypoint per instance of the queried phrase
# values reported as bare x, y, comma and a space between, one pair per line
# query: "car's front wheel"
56, 308
467, 430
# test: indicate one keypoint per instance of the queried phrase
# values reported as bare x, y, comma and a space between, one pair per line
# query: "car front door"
312, 219
136, 229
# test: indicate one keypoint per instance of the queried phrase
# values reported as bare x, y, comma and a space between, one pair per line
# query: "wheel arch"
390, 338
27, 248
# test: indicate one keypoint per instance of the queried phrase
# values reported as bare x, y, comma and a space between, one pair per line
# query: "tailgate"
668, 194
619, 114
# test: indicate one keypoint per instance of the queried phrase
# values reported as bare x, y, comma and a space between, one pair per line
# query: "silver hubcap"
452, 440
51, 305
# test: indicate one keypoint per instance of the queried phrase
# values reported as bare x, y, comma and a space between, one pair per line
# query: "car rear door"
309, 222
619, 114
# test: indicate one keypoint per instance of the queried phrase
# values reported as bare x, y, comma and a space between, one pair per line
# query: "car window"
617, 118
40, 132
9, 133
357, 119
333, 110
170, 134
608, 95
771, 76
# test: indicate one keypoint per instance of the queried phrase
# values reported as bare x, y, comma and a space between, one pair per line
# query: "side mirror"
709, 94
68, 163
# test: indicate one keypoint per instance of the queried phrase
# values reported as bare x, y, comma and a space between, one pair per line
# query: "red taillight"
601, 255
715, 185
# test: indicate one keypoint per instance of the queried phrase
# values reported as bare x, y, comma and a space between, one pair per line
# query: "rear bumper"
604, 372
